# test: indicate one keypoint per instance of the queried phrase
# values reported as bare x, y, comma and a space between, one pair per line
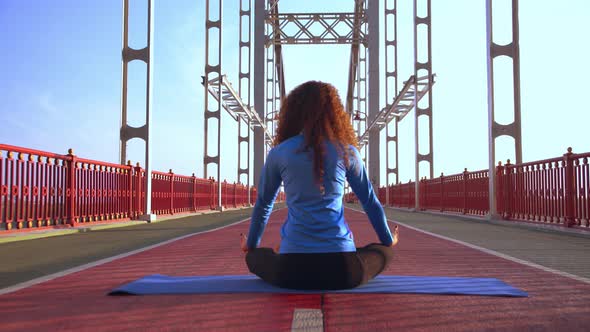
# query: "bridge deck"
78, 301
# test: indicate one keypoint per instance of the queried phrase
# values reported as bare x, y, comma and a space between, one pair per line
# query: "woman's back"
315, 222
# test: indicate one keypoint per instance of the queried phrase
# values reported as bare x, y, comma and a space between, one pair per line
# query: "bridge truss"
360, 29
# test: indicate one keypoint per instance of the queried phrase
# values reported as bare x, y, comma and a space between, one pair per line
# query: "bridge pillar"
213, 109
423, 68
391, 89
259, 86
495, 129
374, 91
244, 89
127, 132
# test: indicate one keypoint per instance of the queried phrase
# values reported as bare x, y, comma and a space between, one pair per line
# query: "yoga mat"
162, 284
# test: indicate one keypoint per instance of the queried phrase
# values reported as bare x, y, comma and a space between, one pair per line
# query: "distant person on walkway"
314, 154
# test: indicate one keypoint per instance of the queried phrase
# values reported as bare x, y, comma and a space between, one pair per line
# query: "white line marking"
104, 261
492, 252
307, 320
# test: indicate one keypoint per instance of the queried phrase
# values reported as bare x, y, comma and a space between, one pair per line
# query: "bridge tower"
362, 35
128, 132
495, 130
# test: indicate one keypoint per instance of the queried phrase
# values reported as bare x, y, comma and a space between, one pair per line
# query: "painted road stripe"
104, 261
307, 320
492, 252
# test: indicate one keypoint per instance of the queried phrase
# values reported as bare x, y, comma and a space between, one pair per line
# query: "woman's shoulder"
352, 150
287, 146
289, 143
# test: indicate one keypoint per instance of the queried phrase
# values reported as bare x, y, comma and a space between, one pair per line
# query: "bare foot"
243, 242
395, 236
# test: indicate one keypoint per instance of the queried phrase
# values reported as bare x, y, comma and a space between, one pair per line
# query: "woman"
314, 153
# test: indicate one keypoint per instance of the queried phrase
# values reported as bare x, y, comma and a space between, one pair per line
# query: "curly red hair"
314, 109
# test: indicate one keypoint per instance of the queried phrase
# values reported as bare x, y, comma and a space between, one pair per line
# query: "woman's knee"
261, 260
376, 257
384, 250
250, 260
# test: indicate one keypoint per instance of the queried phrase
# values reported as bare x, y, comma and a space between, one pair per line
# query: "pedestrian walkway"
78, 300
566, 252
32, 255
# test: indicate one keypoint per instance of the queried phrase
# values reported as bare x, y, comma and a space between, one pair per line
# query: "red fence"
466, 193
550, 191
553, 191
41, 189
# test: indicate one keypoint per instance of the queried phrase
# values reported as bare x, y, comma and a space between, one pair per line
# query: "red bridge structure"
551, 191
72, 229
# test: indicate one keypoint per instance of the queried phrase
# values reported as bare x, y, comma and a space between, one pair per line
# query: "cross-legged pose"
314, 154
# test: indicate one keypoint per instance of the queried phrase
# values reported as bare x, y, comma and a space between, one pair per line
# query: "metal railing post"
442, 192
171, 191
499, 194
508, 190
138, 190
212, 194
194, 197
130, 190
570, 191
71, 188
465, 176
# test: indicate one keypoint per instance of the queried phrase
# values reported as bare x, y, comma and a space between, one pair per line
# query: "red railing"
555, 191
40, 189
403, 195
173, 193
466, 193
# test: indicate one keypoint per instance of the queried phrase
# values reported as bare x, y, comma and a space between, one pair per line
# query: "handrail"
403, 103
234, 105
556, 195
38, 193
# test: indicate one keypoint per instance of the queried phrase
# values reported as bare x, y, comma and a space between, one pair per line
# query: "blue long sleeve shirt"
315, 222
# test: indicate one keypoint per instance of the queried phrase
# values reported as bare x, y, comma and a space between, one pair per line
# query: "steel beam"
495, 129
244, 90
270, 87
212, 80
426, 67
128, 132
315, 28
233, 104
278, 50
360, 96
391, 42
374, 91
259, 83
401, 106
359, 16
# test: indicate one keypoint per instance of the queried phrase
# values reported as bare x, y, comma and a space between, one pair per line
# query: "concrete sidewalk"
95, 226
52, 251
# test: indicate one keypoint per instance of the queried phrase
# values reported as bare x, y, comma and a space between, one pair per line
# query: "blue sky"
60, 79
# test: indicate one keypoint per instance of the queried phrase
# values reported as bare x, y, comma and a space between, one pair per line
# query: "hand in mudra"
243, 242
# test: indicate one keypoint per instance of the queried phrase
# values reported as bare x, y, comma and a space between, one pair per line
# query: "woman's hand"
243, 243
395, 236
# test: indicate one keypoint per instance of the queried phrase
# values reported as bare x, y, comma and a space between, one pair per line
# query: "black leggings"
338, 270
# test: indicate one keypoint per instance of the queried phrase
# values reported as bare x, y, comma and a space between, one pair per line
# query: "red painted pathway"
79, 302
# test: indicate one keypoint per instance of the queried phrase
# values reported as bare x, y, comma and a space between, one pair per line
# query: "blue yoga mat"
162, 284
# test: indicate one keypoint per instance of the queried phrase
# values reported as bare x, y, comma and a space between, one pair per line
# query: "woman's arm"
268, 188
356, 174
